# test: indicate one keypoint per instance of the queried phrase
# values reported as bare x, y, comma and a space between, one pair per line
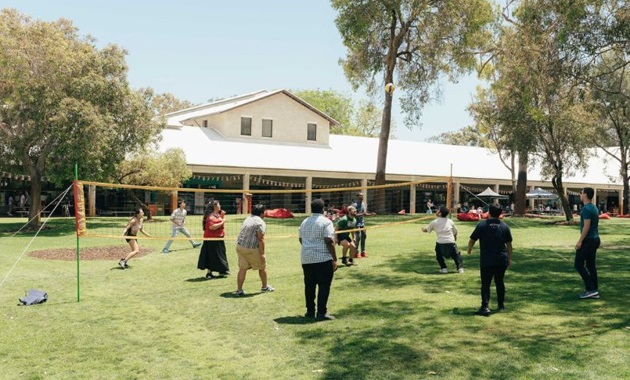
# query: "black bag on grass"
33, 297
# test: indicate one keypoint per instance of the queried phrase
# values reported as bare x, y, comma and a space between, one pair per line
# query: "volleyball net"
104, 209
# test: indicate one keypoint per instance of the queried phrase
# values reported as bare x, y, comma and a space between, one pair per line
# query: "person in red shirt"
212, 256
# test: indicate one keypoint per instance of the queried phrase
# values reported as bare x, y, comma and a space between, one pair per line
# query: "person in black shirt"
495, 240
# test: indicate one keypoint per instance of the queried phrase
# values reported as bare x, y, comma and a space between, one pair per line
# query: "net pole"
450, 199
76, 178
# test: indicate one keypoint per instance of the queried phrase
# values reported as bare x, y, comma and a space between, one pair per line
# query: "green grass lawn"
397, 318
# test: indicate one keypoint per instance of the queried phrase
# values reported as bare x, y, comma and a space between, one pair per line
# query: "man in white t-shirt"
178, 218
445, 245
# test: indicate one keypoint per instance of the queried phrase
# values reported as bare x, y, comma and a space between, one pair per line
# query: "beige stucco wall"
290, 119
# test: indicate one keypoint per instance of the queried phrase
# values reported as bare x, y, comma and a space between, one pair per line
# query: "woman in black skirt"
212, 256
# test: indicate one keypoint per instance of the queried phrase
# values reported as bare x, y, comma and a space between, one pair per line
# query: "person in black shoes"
344, 239
131, 229
586, 247
319, 260
495, 256
445, 245
212, 256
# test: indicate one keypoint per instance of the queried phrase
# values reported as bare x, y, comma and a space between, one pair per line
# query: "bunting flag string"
17, 177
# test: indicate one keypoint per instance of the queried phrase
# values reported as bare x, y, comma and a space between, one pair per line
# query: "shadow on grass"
53, 228
542, 288
197, 279
204, 279
296, 320
236, 296
412, 340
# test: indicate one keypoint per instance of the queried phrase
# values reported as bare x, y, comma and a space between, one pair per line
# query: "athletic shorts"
129, 234
344, 236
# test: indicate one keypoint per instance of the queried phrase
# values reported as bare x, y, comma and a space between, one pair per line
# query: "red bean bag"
604, 216
280, 213
467, 217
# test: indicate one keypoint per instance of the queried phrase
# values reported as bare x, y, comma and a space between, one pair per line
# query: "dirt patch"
110, 252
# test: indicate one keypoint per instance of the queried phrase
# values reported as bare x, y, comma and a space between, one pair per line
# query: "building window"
267, 128
311, 132
205, 123
246, 126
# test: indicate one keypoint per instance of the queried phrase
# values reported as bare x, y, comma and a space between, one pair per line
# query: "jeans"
359, 238
585, 263
174, 232
317, 275
487, 274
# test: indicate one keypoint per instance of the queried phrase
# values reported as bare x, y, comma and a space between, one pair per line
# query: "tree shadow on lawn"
544, 278
61, 226
403, 345
408, 339
53, 228
297, 320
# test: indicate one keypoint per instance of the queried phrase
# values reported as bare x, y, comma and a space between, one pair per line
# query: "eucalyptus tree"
332, 103
467, 136
541, 103
150, 167
485, 112
412, 44
501, 110
65, 101
611, 100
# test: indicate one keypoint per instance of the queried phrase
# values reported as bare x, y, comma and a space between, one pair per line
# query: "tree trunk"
381, 163
383, 139
626, 188
521, 185
566, 207
626, 197
142, 204
35, 202
512, 173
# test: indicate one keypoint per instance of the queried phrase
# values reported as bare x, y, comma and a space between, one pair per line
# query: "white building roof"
178, 118
350, 154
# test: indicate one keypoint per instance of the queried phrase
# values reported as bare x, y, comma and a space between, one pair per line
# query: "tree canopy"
150, 168
363, 119
411, 43
65, 101
541, 95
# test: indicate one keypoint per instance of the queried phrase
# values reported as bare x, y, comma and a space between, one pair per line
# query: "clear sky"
199, 50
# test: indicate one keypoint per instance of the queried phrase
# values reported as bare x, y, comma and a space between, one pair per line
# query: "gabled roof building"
274, 138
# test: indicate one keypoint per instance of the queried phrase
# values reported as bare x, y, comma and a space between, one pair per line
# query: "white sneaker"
267, 288
460, 270
122, 264
443, 270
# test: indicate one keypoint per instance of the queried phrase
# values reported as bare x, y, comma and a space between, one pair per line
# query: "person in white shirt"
445, 245
178, 217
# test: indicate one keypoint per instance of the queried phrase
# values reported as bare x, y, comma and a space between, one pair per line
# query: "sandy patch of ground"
110, 252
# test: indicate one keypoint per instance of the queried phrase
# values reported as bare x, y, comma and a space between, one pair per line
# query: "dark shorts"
129, 234
345, 236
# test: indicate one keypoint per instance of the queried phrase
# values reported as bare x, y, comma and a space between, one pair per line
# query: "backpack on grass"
34, 297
